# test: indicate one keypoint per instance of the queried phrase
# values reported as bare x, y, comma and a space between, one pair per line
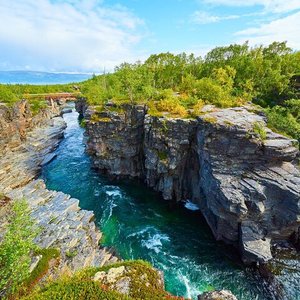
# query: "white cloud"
283, 29
203, 17
68, 35
275, 6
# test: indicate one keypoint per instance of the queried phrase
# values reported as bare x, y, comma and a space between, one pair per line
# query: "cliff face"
241, 176
16, 121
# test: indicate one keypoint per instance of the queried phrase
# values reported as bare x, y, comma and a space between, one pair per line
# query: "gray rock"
217, 295
218, 161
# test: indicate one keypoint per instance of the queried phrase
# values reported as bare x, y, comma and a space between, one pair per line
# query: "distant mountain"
33, 77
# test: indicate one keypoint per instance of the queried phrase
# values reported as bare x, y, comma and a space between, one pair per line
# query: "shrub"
16, 247
171, 105
197, 108
6, 95
259, 130
281, 120
213, 93
36, 105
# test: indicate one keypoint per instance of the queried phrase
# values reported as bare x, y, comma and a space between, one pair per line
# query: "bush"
280, 119
259, 130
16, 247
213, 93
73, 289
173, 106
6, 95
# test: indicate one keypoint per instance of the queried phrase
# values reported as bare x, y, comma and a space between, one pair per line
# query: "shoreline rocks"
64, 225
245, 182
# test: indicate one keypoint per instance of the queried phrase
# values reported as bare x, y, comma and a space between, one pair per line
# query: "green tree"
16, 247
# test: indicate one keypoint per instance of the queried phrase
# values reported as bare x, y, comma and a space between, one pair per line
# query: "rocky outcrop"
116, 139
217, 295
16, 121
240, 173
64, 225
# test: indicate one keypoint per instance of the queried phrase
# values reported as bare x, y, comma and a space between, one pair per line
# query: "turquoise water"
138, 224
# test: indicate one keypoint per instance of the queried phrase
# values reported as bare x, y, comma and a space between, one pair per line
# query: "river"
139, 225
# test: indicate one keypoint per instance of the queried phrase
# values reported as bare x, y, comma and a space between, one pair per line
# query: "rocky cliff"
242, 175
27, 143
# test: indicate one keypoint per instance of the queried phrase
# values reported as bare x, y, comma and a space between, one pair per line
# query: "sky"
96, 35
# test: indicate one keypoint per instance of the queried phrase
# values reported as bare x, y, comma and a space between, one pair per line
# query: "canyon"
243, 176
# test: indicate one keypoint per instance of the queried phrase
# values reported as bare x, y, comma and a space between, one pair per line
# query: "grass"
260, 130
210, 119
145, 284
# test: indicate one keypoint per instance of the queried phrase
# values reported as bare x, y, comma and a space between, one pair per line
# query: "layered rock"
17, 120
64, 225
116, 140
240, 173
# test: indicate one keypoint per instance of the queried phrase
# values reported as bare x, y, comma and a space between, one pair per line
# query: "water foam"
191, 206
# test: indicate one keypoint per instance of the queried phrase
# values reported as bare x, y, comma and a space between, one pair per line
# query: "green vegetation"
71, 254
285, 119
35, 94
42, 267
180, 85
16, 247
259, 130
73, 289
144, 285
162, 155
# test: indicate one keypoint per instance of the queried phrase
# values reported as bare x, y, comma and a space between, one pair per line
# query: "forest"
267, 76
228, 76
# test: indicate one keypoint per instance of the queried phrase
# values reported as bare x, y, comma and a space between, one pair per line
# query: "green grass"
43, 265
144, 285
260, 130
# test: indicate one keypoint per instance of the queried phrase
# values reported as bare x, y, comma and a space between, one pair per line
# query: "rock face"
117, 141
217, 295
64, 225
16, 121
240, 173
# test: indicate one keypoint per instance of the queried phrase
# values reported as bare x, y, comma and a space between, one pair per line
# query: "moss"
82, 123
41, 269
71, 254
73, 289
144, 279
259, 130
210, 119
228, 123
162, 155
145, 284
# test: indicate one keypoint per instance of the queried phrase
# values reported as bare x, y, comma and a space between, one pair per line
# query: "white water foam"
191, 291
155, 242
114, 193
191, 206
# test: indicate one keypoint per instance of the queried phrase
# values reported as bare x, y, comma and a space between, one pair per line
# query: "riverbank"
64, 225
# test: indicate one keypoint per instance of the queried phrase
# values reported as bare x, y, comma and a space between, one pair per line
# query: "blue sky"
90, 35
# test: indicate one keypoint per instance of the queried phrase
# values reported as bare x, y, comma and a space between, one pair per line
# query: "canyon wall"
245, 180
17, 120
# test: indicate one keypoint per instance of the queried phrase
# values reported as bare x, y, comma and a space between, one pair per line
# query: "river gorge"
137, 223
